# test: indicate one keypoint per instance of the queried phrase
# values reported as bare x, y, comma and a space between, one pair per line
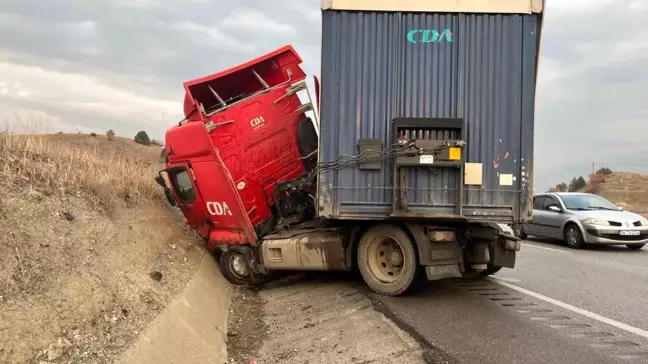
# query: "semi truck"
414, 161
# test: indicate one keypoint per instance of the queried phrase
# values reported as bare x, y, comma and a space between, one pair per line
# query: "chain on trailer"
402, 148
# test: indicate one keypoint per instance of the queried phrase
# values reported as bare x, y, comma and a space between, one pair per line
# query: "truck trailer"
417, 162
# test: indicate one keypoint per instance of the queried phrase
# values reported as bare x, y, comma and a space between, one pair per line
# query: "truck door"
210, 202
204, 187
230, 223
181, 177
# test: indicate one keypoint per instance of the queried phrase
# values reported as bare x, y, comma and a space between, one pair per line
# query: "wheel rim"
386, 259
572, 236
238, 265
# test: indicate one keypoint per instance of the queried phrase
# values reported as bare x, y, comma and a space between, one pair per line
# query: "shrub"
93, 134
604, 171
142, 138
110, 134
576, 184
593, 189
561, 187
596, 179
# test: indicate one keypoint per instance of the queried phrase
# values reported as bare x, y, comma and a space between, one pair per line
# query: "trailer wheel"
387, 260
236, 269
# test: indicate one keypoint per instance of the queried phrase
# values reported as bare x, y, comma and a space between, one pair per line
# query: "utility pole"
593, 168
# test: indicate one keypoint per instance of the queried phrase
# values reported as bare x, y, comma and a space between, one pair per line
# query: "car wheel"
573, 236
635, 246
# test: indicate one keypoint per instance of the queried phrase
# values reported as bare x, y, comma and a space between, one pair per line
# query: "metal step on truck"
415, 163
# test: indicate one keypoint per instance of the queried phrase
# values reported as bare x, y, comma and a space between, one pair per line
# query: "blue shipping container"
481, 68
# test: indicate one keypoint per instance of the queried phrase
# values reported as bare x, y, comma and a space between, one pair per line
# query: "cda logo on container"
416, 36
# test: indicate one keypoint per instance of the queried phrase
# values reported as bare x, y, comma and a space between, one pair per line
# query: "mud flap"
505, 248
438, 252
436, 272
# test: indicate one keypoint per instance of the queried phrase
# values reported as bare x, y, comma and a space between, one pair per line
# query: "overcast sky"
83, 65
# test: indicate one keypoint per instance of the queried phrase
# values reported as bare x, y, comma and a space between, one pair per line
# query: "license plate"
630, 232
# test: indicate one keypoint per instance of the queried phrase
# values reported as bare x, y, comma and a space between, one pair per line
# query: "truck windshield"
182, 184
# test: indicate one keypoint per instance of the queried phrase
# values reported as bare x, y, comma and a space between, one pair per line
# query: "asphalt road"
557, 306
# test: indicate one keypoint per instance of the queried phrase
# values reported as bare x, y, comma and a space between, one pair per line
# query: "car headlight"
595, 221
643, 221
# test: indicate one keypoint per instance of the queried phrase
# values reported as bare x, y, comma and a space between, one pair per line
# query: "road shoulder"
316, 321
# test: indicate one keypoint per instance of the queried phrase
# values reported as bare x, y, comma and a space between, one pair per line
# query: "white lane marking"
506, 279
542, 247
606, 320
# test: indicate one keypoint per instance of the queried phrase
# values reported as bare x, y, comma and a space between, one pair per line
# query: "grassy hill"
88, 255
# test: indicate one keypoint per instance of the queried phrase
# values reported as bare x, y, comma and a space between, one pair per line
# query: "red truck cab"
245, 132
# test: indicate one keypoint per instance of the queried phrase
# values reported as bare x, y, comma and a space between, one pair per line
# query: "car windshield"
588, 202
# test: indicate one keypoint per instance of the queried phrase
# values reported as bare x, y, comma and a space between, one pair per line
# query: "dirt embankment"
89, 252
626, 189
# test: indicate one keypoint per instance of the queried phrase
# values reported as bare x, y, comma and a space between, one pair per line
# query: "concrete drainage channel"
192, 328
293, 320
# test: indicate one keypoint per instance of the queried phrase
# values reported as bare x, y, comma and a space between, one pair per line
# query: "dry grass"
83, 225
107, 172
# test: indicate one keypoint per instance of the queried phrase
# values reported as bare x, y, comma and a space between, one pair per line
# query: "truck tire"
236, 269
387, 260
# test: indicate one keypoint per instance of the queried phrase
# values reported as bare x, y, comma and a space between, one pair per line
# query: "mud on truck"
415, 165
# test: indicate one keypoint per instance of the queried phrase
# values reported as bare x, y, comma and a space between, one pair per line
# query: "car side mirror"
621, 208
554, 208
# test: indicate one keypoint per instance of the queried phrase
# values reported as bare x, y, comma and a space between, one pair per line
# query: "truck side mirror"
167, 192
160, 181
169, 197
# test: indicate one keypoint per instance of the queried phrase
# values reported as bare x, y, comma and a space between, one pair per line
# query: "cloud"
32, 92
255, 22
90, 65
590, 93
122, 62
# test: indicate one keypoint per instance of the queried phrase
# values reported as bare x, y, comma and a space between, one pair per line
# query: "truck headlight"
595, 221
